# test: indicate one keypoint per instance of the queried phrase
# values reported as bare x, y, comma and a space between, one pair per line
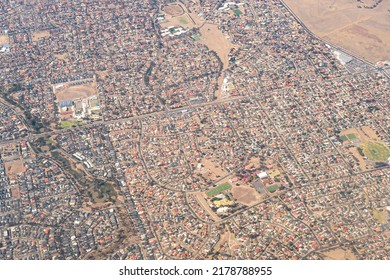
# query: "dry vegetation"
216, 41
340, 254
4, 39
365, 32
173, 10
246, 195
79, 91
40, 34
14, 167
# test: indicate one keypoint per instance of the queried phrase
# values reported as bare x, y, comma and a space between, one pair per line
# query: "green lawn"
237, 12
183, 20
375, 151
68, 124
218, 189
196, 37
343, 138
273, 188
348, 137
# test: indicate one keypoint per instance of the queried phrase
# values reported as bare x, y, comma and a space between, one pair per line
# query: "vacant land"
14, 167
362, 163
246, 195
365, 32
4, 39
216, 41
364, 134
79, 91
339, 254
221, 188
375, 151
215, 171
173, 10
40, 34
184, 21
380, 215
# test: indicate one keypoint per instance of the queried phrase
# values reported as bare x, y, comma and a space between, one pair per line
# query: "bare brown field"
340, 254
364, 133
365, 32
15, 192
79, 91
215, 169
14, 167
216, 41
246, 195
4, 39
61, 56
173, 10
40, 34
227, 243
184, 21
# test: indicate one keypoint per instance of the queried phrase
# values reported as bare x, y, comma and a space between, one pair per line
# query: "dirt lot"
364, 133
246, 195
215, 170
40, 34
180, 17
173, 10
4, 39
15, 192
79, 91
365, 32
340, 254
184, 21
215, 40
14, 167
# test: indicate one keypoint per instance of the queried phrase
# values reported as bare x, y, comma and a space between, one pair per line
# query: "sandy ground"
364, 133
61, 56
246, 195
15, 192
40, 34
365, 32
340, 254
227, 243
173, 9
213, 168
4, 39
216, 41
79, 91
184, 21
178, 15
14, 167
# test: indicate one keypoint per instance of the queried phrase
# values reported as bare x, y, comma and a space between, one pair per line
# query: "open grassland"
365, 32
70, 123
375, 151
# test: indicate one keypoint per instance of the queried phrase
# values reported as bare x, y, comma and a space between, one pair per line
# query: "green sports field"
375, 151
68, 124
218, 189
